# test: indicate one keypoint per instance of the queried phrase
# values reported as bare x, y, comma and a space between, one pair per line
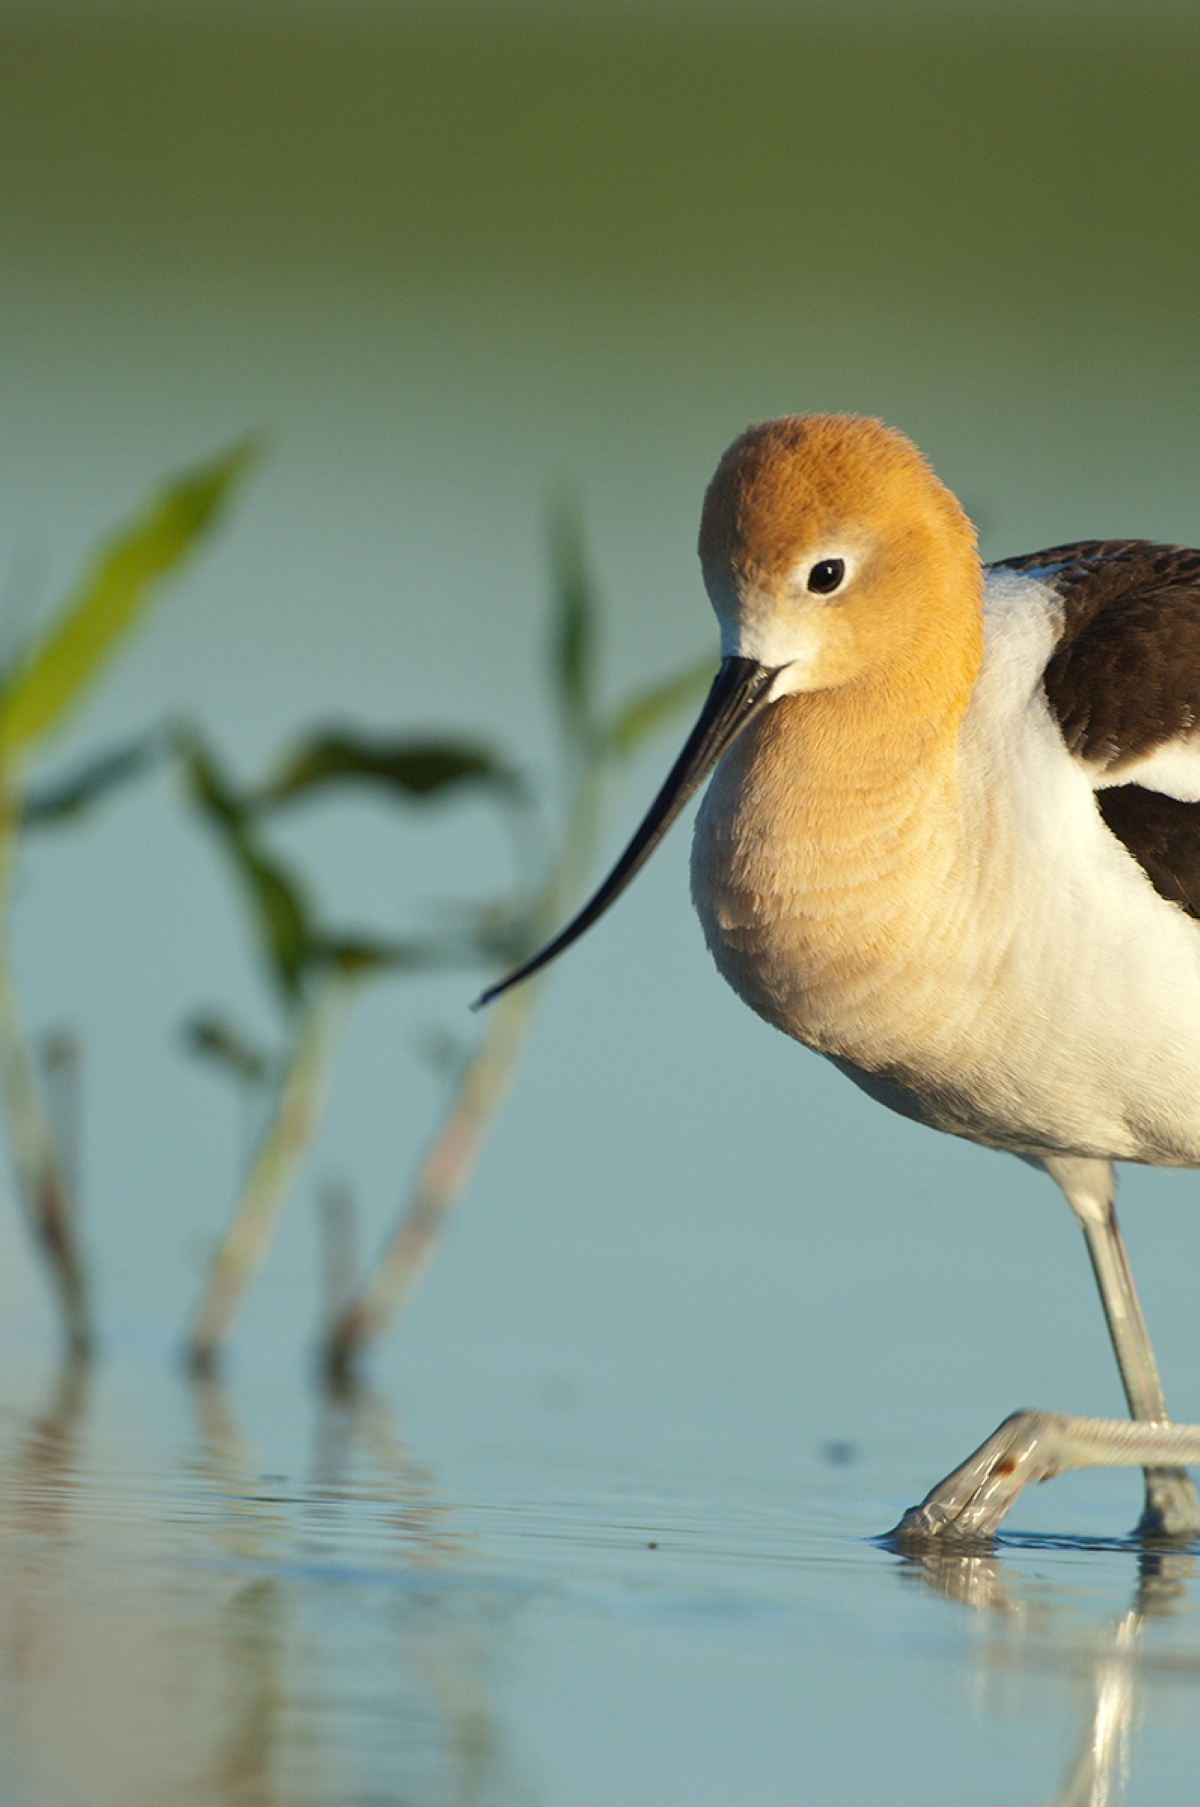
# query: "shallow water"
238, 1621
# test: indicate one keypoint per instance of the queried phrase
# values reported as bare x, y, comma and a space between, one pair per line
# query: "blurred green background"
457, 260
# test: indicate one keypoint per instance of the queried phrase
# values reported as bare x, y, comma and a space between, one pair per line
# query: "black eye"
824, 578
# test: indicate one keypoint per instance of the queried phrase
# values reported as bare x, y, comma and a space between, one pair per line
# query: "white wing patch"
1173, 769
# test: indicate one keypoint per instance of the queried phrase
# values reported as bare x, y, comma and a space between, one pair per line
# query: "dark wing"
1162, 834
1124, 687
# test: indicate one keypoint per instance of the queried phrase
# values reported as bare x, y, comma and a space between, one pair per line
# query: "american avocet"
953, 843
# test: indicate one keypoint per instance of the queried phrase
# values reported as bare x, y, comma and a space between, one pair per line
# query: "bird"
951, 842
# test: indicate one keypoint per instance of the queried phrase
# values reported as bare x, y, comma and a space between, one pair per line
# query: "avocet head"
832, 555
831, 551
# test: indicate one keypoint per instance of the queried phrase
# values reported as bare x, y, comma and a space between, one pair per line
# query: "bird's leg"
969, 1504
1034, 1446
1089, 1188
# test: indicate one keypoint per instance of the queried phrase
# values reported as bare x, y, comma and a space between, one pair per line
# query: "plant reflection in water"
249, 1663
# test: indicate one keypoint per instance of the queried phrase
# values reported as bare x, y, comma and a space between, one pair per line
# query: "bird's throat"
824, 859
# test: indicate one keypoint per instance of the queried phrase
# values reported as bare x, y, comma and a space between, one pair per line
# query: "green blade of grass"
59, 667
71, 797
646, 710
573, 635
414, 768
281, 913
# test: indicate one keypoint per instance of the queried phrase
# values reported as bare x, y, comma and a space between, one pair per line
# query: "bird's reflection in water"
1112, 1653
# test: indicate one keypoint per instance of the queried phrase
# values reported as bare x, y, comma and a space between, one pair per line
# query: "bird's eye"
825, 577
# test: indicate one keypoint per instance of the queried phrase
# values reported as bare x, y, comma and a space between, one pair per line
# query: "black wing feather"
1125, 679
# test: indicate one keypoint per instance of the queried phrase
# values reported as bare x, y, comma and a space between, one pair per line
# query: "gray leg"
968, 1505
1034, 1446
1089, 1188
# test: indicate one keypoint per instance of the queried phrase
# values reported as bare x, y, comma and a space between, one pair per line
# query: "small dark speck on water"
652, 1546
839, 1454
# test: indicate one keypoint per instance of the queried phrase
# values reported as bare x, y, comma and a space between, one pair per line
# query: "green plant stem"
41, 1186
338, 1221
485, 1084
281, 1151
443, 1177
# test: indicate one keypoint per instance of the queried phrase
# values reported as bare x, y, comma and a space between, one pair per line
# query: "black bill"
740, 689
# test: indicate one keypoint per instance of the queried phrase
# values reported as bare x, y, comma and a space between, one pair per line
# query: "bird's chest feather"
825, 885
955, 926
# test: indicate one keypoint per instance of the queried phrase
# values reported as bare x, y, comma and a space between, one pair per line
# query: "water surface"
316, 1614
